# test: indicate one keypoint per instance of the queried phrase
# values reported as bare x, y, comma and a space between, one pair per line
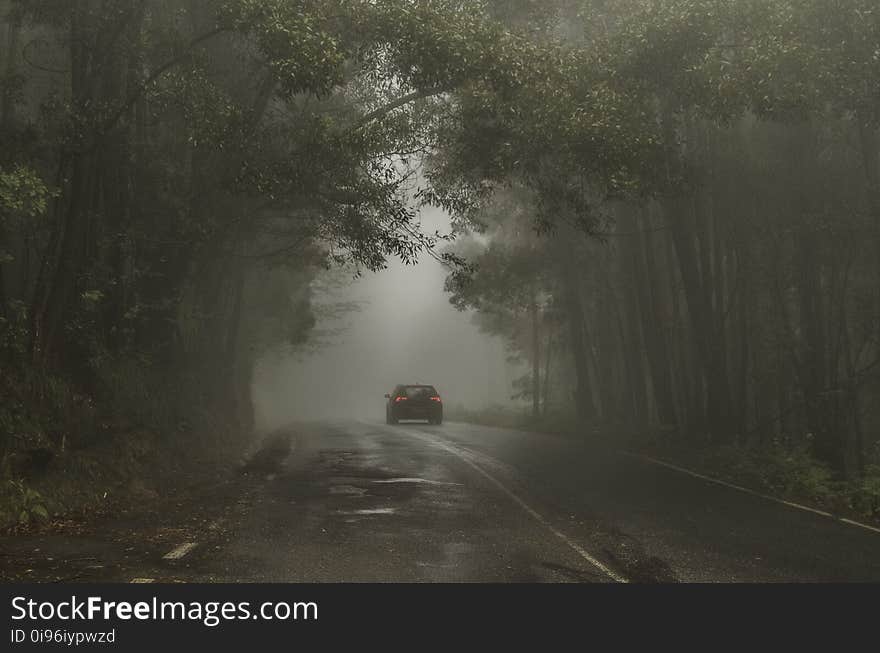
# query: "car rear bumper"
411, 412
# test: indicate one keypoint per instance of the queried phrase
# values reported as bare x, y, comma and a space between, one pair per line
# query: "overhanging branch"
396, 104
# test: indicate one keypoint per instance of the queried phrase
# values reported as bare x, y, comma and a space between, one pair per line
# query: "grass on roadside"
62, 456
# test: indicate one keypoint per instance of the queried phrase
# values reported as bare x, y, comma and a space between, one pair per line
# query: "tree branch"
156, 74
396, 104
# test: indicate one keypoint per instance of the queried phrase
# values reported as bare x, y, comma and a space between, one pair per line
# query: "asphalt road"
364, 501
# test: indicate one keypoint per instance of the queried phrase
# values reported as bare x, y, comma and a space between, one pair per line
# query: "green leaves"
299, 40
20, 505
23, 193
778, 58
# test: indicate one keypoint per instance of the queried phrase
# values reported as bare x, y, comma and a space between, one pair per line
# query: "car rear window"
419, 391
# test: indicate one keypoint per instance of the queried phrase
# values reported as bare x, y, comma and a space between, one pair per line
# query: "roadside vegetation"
723, 159
778, 470
173, 174
670, 210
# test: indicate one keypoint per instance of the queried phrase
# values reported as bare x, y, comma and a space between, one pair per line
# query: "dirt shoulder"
194, 502
121, 470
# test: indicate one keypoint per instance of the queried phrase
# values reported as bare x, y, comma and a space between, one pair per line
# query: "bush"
775, 470
21, 506
796, 473
865, 498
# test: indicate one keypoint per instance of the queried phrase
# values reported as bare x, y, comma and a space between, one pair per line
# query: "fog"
670, 214
405, 332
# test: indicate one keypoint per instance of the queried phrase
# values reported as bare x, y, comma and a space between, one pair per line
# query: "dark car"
414, 402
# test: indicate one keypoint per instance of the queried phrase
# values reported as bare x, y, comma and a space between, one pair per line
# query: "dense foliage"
726, 156
174, 172
679, 202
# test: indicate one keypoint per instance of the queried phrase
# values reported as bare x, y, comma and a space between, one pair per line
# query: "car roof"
414, 385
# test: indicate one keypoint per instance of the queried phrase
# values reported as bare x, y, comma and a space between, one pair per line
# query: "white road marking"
709, 479
534, 514
859, 524
143, 580
180, 551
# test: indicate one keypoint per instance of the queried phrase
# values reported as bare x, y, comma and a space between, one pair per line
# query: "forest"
728, 294
670, 210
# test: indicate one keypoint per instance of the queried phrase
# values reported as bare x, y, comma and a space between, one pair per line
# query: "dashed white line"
534, 514
142, 580
716, 481
178, 552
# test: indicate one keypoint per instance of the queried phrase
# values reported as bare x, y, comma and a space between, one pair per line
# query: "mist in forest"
668, 216
401, 330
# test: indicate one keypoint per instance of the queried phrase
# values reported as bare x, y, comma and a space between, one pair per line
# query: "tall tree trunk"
575, 315
631, 331
7, 99
709, 341
3, 312
548, 356
62, 266
536, 358
63, 278
7, 116
631, 402
813, 368
644, 270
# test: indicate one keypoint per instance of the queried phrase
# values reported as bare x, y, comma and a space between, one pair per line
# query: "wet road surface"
364, 501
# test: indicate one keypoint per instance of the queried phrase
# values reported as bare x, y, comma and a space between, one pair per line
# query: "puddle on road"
369, 511
424, 481
348, 490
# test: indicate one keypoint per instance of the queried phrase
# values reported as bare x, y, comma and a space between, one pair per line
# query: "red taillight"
399, 399
435, 398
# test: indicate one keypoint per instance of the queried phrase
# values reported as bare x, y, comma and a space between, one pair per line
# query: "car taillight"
399, 399
435, 398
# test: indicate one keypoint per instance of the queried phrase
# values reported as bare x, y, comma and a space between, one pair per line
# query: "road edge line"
732, 486
534, 514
